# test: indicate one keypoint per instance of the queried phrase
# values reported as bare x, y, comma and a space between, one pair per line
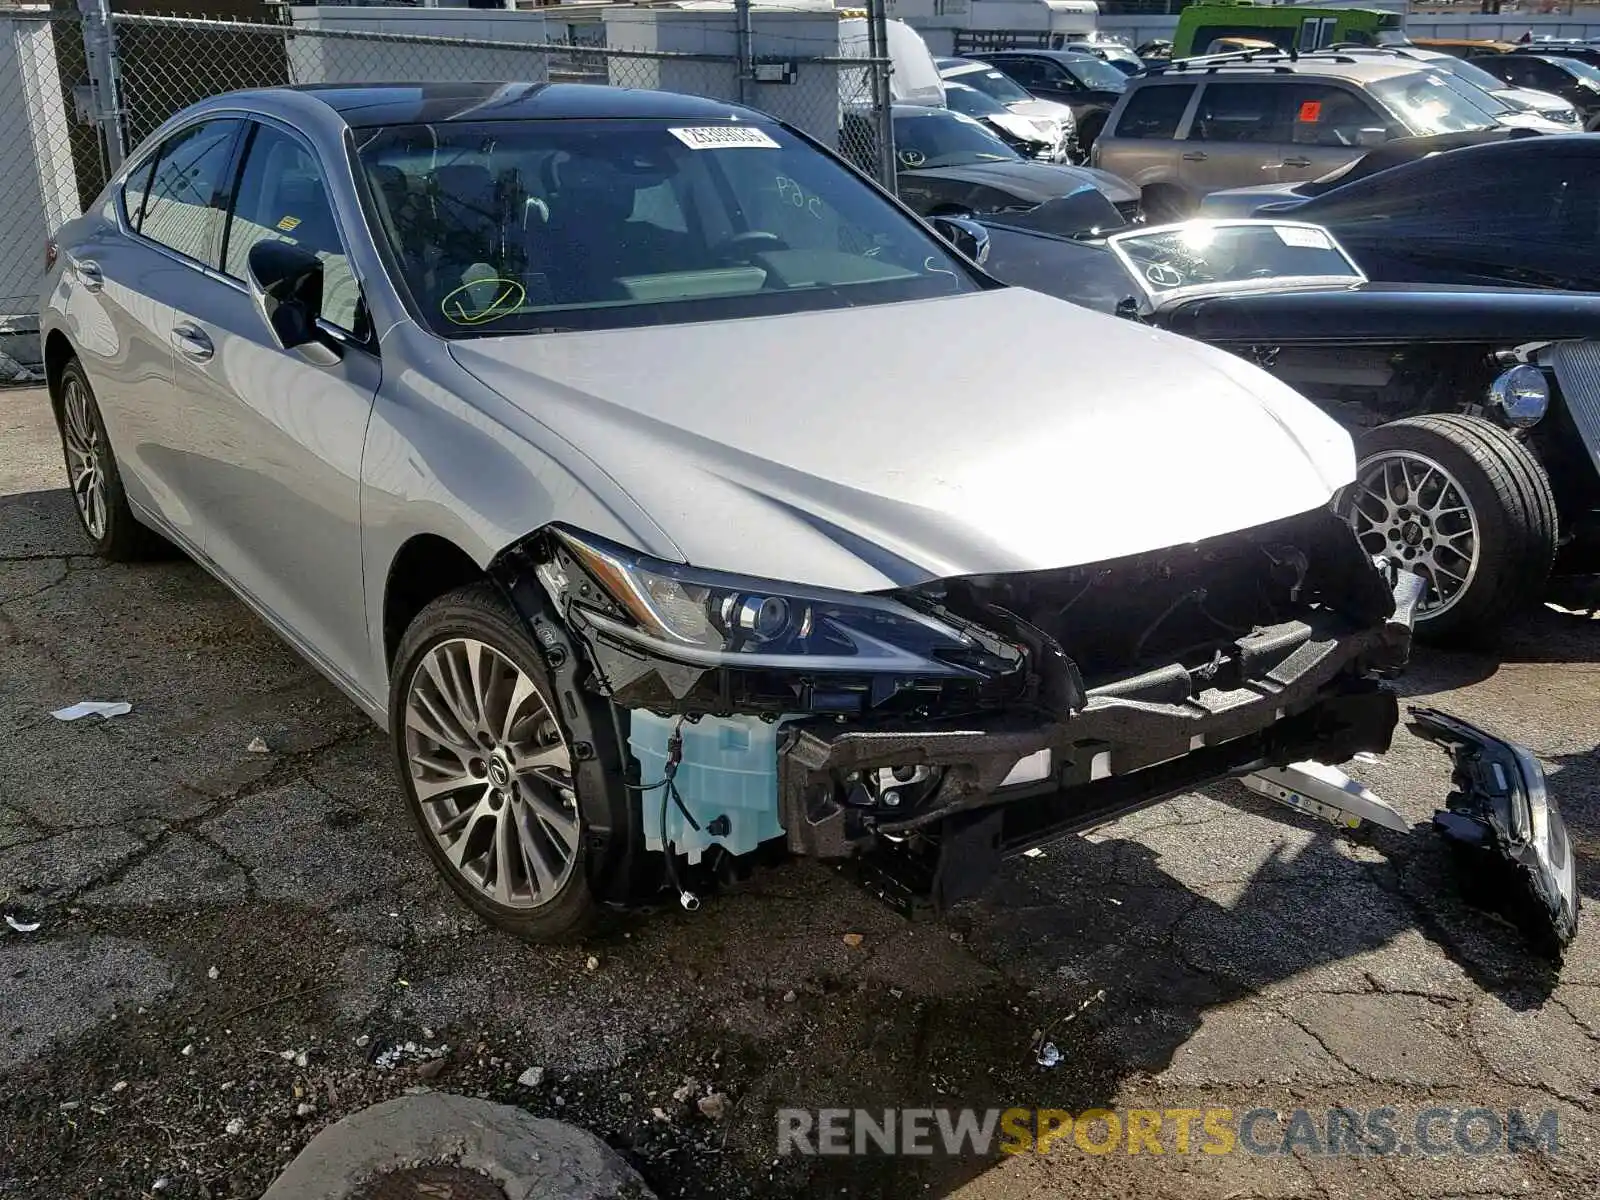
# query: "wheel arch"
58, 352
426, 566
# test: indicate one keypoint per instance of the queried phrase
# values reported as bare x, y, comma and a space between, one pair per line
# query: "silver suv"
1197, 126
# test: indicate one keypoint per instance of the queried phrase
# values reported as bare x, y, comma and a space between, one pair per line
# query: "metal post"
742, 48
100, 50
878, 51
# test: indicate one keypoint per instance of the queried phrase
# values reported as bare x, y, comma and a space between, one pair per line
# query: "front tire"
486, 759
1468, 507
92, 473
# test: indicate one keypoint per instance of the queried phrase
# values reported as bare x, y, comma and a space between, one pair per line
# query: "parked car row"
550, 422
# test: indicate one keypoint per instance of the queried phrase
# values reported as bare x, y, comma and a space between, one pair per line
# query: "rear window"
1154, 112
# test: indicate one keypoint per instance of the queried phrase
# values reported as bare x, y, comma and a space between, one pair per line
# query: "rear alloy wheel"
487, 766
93, 476
1464, 505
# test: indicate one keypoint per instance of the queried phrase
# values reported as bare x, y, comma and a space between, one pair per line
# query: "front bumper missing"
1303, 692
1501, 816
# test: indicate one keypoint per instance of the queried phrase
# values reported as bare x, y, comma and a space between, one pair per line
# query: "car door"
1238, 136
279, 468
1328, 124
130, 278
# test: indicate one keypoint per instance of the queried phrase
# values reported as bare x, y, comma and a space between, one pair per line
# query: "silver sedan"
668, 490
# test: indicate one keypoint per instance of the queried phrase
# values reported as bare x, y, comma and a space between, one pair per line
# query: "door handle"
1295, 162
1195, 156
192, 341
89, 273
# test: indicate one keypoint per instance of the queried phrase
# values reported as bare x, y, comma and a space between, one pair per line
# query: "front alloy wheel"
492, 773
491, 769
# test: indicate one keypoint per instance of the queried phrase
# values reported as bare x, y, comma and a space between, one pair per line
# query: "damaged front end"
931, 730
1504, 822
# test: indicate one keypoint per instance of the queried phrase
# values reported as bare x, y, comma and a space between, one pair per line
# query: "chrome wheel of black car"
1411, 510
1466, 506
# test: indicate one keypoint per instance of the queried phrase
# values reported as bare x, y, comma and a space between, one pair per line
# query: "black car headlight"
715, 619
1521, 394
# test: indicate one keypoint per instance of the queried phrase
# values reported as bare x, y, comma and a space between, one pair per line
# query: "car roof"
1075, 56
362, 105
1356, 69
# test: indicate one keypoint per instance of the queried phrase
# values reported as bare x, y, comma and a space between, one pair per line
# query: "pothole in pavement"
429, 1183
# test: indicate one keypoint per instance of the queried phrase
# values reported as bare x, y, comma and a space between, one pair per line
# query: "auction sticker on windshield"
1307, 239
724, 137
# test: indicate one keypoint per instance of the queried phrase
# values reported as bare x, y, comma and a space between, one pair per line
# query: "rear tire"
92, 474
1466, 505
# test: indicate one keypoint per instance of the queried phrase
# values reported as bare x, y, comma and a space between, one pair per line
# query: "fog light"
1522, 394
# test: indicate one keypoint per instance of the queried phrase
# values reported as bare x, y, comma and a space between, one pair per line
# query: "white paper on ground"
93, 708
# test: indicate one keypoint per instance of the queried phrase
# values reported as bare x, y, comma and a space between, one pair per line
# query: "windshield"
939, 138
992, 83
1202, 253
1474, 94
513, 226
971, 102
1428, 104
1093, 73
1585, 71
1474, 75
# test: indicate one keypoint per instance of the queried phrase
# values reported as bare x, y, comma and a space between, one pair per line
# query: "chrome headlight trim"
719, 619
1521, 394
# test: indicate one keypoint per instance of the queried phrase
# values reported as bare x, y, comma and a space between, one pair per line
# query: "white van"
913, 78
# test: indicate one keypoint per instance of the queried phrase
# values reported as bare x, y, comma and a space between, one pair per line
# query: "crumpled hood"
884, 446
1036, 182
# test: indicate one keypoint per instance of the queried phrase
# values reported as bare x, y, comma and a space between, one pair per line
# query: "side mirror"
286, 284
965, 234
1371, 137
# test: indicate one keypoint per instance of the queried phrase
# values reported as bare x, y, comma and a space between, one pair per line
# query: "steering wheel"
744, 246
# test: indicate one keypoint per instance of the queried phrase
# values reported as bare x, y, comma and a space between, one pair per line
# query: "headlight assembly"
1522, 394
713, 619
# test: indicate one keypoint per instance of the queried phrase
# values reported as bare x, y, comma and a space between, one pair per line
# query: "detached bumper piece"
1506, 824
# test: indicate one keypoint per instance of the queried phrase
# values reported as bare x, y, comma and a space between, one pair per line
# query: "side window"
1325, 115
1241, 112
1028, 72
1154, 112
184, 207
134, 189
282, 197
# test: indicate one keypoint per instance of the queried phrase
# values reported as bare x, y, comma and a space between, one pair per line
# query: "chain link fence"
86, 91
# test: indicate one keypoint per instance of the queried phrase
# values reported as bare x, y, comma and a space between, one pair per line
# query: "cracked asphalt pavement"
237, 948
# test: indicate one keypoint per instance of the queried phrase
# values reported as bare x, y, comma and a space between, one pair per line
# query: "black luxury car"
952, 165
1573, 79
1520, 211
1476, 410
